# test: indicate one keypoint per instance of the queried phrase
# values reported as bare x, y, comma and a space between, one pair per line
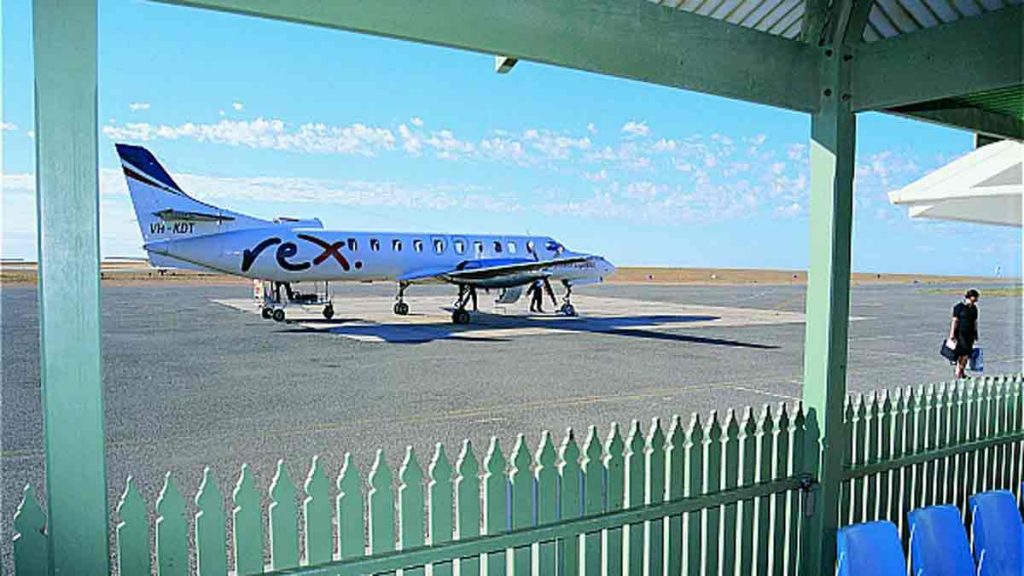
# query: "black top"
967, 323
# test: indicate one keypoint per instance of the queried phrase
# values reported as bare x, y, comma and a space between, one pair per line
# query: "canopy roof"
985, 186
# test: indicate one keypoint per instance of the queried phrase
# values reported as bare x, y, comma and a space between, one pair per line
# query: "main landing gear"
460, 315
401, 308
567, 308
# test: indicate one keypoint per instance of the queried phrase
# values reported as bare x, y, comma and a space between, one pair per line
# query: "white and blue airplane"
180, 231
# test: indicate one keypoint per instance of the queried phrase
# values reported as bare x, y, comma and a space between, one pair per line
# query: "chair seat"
870, 549
998, 534
938, 543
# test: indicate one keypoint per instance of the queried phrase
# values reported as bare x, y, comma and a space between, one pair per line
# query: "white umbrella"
985, 186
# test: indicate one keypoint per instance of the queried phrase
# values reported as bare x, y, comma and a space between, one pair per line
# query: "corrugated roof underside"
887, 18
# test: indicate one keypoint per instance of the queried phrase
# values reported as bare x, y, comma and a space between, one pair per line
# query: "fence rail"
721, 497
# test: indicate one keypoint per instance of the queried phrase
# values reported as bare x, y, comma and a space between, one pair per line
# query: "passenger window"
497, 247
478, 247
530, 247
438, 245
417, 245
460, 246
352, 245
511, 247
374, 244
396, 245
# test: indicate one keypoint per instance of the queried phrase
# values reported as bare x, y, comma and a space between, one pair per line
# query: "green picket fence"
721, 497
600, 508
932, 445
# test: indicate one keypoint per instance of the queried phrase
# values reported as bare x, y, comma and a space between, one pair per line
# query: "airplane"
180, 231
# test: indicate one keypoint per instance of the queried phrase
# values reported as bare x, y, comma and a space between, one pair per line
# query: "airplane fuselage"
294, 254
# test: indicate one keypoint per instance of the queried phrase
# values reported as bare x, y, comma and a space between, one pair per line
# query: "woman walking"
963, 329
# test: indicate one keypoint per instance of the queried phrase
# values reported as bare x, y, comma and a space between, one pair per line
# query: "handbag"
977, 360
948, 349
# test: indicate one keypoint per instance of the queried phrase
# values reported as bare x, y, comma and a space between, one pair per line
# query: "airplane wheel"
279, 315
568, 310
460, 316
401, 308
328, 312
267, 313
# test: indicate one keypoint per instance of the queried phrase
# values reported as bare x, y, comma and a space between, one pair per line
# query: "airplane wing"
491, 274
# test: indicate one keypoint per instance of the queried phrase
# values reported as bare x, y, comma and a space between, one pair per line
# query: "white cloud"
357, 139
30, 133
599, 176
592, 128
634, 128
237, 105
789, 211
416, 121
9, 126
136, 106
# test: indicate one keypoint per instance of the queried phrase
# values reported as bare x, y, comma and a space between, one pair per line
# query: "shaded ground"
191, 383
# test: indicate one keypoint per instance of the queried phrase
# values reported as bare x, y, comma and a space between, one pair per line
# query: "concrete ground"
192, 382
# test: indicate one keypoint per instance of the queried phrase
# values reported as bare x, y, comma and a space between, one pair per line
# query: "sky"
279, 119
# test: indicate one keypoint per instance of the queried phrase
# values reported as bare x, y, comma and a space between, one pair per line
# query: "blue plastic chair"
938, 543
870, 549
998, 534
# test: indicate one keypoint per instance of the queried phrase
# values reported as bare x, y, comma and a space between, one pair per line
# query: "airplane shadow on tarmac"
418, 333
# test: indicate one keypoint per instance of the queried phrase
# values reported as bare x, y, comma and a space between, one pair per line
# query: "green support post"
64, 44
833, 129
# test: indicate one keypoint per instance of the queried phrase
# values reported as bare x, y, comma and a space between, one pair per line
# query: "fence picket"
999, 398
546, 479
797, 440
988, 423
571, 502
593, 499
521, 480
411, 507
283, 516
495, 503
467, 502
349, 508
247, 523
171, 531
779, 532
675, 466
970, 430
440, 505
748, 469
132, 532
884, 454
766, 435
31, 543
899, 477
694, 487
846, 488
712, 483
920, 443
615, 475
316, 515
870, 456
211, 542
729, 482
634, 496
654, 536
380, 519
859, 487
947, 421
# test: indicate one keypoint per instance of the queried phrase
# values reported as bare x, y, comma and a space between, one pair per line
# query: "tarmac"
194, 377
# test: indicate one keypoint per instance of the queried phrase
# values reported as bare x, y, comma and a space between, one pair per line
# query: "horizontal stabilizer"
171, 215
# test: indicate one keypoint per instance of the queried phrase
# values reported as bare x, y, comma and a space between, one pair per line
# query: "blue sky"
369, 133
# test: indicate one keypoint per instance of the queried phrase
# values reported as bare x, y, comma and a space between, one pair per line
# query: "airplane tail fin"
164, 211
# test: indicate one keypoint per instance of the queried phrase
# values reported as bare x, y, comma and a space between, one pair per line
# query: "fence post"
64, 44
833, 129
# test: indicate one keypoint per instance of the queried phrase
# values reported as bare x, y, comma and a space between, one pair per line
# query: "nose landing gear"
567, 308
401, 308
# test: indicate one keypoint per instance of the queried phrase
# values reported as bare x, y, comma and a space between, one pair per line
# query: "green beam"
967, 56
634, 40
64, 43
966, 117
833, 130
